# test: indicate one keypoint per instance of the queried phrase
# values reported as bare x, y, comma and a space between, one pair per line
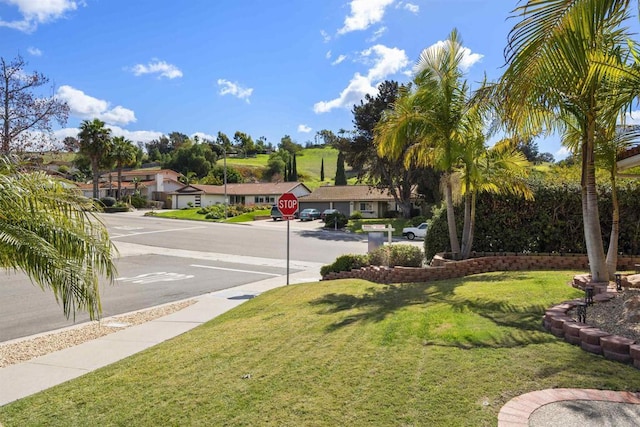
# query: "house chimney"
159, 182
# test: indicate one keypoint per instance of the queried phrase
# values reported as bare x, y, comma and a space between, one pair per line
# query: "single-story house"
371, 202
153, 184
261, 193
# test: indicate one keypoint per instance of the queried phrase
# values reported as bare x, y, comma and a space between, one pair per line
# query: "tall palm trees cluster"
104, 151
438, 122
571, 68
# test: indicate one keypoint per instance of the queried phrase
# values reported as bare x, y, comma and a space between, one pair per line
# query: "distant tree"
287, 144
275, 166
123, 154
322, 170
529, 148
294, 170
176, 140
158, 147
190, 157
341, 176
71, 144
95, 143
233, 176
244, 142
26, 116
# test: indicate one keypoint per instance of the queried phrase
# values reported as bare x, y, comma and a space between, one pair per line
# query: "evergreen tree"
341, 176
294, 169
286, 172
322, 170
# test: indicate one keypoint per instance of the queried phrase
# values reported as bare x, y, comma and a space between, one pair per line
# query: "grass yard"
344, 352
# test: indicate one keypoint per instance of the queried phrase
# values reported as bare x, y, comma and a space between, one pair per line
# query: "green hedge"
550, 223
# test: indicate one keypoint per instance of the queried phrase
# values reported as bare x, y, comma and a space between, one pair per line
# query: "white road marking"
156, 231
160, 276
233, 269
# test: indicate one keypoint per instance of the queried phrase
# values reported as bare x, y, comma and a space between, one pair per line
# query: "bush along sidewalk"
387, 255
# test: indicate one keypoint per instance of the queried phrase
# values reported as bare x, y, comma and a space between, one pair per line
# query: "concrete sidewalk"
27, 378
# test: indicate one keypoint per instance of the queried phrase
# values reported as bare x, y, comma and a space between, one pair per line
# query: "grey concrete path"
27, 378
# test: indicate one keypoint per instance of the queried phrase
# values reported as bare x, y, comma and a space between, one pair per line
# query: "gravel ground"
23, 350
608, 316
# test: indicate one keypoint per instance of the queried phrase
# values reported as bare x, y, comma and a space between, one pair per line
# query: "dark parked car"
326, 212
309, 214
276, 214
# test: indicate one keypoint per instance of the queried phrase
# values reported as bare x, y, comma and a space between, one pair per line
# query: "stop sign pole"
288, 205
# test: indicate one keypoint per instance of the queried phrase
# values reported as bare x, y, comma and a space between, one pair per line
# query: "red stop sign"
288, 204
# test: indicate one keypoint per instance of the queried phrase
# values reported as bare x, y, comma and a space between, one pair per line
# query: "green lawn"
345, 352
192, 214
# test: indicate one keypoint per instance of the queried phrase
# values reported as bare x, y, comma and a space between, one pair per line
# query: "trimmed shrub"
336, 220
397, 256
108, 202
138, 202
356, 215
345, 263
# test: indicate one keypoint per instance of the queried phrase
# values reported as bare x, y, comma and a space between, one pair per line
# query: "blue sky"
266, 68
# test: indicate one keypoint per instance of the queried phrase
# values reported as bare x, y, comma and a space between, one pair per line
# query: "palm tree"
95, 143
500, 169
554, 80
48, 231
123, 154
440, 115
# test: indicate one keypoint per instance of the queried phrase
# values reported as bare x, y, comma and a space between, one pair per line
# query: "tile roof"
347, 193
259, 188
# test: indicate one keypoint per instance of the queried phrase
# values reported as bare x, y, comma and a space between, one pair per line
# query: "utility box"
376, 234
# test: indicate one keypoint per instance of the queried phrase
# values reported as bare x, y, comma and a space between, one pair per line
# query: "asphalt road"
164, 261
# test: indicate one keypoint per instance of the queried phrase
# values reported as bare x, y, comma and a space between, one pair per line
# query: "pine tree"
294, 169
322, 170
286, 173
341, 176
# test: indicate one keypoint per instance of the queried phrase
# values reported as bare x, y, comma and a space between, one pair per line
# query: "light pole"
224, 152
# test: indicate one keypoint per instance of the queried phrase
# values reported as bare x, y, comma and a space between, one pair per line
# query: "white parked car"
413, 232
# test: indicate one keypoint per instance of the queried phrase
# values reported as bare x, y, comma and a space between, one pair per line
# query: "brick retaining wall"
442, 268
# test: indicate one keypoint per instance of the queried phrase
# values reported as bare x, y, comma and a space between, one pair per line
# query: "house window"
260, 199
365, 207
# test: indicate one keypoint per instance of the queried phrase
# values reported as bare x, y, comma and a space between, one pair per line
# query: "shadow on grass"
520, 325
378, 303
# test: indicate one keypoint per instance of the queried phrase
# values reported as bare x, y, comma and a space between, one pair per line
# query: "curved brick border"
517, 411
442, 268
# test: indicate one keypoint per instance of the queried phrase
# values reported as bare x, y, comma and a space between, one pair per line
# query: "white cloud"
562, 153
386, 61
364, 13
304, 129
234, 89
88, 107
325, 37
468, 58
161, 68
377, 34
34, 51
328, 55
358, 87
339, 59
413, 8
36, 12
